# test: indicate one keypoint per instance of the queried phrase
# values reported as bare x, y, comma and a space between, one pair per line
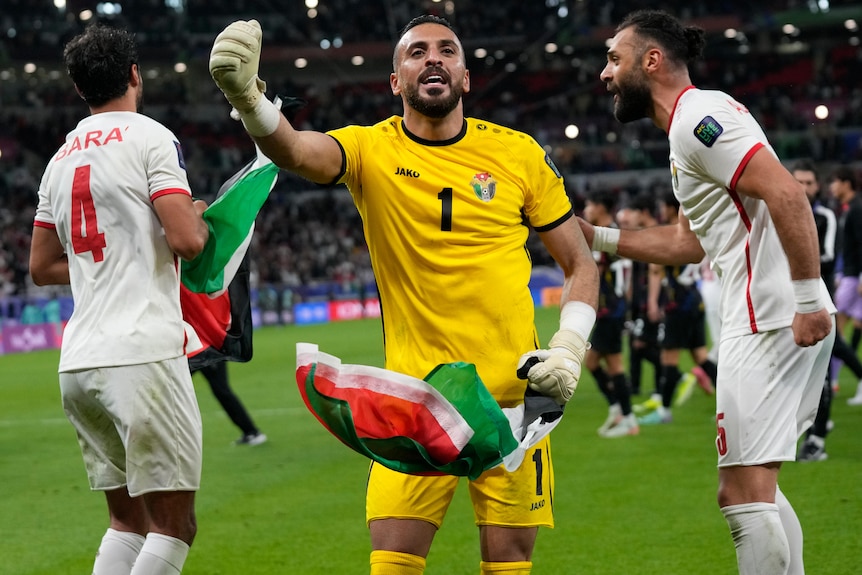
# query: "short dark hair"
669, 199
643, 203
99, 61
423, 19
805, 165
845, 174
683, 44
603, 198
426, 19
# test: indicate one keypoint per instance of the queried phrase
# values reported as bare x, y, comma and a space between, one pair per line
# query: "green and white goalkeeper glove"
234, 63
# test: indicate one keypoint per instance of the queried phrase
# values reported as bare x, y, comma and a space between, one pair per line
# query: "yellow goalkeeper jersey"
446, 224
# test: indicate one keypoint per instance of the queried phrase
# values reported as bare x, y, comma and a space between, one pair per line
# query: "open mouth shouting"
434, 78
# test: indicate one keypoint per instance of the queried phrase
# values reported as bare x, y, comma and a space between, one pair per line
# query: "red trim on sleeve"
747, 158
675, 102
46, 225
167, 191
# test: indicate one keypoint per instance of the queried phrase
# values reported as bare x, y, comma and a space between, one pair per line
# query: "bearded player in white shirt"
744, 210
114, 214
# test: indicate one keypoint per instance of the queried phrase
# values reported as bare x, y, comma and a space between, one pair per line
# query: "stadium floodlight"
109, 8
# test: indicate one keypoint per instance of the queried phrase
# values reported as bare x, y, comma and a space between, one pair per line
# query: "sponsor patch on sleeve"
553, 166
708, 131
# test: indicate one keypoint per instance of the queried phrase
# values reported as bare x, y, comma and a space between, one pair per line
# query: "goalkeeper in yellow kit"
447, 203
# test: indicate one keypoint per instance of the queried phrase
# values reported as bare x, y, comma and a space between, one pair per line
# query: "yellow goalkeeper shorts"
522, 498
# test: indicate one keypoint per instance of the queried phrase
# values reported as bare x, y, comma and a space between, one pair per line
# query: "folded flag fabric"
446, 423
230, 219
215, 294
219, 328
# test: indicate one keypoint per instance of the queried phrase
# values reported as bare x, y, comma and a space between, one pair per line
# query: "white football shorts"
137, 425
767, 395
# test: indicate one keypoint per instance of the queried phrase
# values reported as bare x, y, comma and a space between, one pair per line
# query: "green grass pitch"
295, 505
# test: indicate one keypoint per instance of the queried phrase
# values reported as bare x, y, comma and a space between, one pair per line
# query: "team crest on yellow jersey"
485, 186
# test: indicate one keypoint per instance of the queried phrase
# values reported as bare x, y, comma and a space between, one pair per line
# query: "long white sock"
761, 544
793, 531
161, 555
117, 553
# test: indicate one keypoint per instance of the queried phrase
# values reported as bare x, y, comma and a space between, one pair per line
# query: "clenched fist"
234, 62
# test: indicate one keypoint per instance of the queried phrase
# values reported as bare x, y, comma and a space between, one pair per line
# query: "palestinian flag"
231, 223
215, 294
447, 423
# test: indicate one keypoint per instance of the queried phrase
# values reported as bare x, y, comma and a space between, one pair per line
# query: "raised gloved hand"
234, 63
555, 371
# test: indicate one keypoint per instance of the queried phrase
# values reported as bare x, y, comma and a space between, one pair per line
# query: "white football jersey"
712, 138
98, 192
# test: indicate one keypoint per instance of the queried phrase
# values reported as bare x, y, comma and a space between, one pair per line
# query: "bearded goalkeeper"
447, 203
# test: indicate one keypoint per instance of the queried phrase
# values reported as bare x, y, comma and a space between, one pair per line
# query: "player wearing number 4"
114, 213
743, 209
444, 200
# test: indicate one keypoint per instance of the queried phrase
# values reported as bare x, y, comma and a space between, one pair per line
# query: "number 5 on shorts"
82, 206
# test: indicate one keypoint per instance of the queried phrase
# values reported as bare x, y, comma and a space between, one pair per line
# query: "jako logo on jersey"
406, 172
708, 131
485, 186
90, 139
674, 175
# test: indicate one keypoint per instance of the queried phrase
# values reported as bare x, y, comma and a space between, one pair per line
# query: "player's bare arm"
666, 245
313, 155
185, 230
234, 63
567, 246
48, 262
555, 371
765, 178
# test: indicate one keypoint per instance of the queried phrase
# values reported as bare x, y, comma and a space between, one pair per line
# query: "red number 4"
91, 240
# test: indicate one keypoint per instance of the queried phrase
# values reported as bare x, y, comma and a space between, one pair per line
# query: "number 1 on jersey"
445, 196
82, 207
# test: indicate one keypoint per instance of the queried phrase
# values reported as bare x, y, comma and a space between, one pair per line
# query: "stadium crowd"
540, 94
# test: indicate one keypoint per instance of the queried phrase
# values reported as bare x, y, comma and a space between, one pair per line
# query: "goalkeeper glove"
555, 371
234, 62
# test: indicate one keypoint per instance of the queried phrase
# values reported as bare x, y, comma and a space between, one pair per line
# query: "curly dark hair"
682, 44
99, 61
